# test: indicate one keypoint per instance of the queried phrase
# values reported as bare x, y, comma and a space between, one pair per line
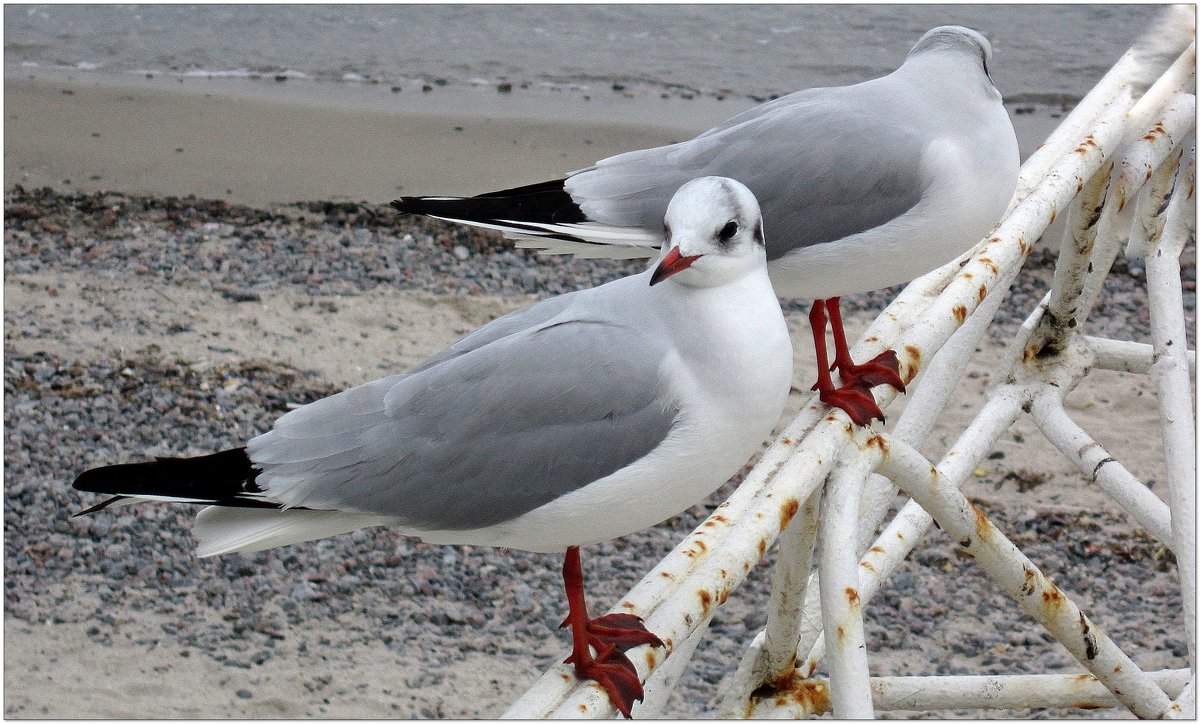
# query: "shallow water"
1044, 52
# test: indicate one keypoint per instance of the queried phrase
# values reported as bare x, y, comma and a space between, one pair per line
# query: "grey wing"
481, 438
824, 163
355, 406
511, 323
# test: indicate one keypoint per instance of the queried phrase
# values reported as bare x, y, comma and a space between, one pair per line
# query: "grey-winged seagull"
861, 187
585, 417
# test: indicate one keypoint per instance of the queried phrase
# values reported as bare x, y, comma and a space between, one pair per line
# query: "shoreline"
262, 142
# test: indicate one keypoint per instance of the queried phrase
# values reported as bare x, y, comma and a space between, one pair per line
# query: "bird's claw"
616, 674
855, 401
611, 636
621, 630
884, 369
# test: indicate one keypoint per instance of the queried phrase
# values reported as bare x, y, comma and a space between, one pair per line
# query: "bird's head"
714, 234
957, 39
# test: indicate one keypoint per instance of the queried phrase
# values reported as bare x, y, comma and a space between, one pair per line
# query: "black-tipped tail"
541, 203
226, 478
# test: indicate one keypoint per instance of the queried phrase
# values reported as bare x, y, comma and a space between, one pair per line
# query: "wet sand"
261, 142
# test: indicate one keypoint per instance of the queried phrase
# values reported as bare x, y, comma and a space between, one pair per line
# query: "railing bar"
1022, 580
1099, 467
841, 601
940, 693
1174, 384
1126, 356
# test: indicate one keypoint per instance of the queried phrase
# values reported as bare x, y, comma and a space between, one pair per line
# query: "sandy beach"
137, 324
305, 141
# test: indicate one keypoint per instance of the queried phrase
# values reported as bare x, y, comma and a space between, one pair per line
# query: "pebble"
303, 592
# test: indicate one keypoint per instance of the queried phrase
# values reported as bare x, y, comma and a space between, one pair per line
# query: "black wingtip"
100, 506
223, 478
544, 203
553, 186
94, 480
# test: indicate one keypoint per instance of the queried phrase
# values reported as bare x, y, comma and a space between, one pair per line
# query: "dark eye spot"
728, 231
667, 232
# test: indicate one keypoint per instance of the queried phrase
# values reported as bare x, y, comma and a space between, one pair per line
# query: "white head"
714, 234
957, 39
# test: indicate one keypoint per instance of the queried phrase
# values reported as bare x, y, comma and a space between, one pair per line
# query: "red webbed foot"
855, 401
615, 672
609, 636
884, 369
621, 631
854, 396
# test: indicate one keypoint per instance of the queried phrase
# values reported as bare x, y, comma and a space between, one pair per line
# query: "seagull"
582, 418
861, 186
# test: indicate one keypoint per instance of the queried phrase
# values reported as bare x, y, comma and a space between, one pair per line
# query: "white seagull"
583, 418
861, 187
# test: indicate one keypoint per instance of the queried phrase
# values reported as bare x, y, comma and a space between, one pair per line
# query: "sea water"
1048, 53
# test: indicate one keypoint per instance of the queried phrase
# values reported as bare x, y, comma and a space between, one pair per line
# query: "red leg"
884, 369
855, 400
611, 636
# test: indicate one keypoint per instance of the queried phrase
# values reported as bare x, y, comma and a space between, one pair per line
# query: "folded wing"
477, 440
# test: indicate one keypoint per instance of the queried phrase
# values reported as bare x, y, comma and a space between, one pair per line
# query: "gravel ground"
64, 415
343, 248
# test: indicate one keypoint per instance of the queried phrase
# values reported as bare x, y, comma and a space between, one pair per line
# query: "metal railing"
1124, 172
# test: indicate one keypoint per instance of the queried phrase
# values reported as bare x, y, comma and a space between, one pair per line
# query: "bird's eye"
728, 231
667, 232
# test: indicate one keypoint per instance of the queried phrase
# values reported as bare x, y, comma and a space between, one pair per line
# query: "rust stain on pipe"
706, 600
790, 507
912, 362
851, 597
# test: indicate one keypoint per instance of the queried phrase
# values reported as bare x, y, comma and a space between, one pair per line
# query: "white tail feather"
596, 241
228, 530
581, 250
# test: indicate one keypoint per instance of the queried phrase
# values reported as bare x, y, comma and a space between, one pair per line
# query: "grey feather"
475, 440
500, 327
805, 166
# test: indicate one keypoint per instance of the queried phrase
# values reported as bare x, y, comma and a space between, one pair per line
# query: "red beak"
672, 263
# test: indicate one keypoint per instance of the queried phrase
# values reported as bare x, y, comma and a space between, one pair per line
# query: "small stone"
244, 694
303, 592
461, 252
241, 295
